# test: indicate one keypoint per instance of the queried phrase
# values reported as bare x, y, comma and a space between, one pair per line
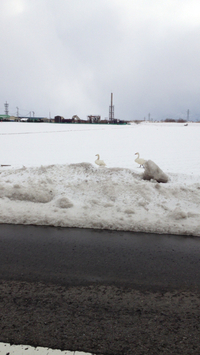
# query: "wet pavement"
84, 256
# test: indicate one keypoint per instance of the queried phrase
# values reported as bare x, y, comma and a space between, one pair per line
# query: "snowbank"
82, 195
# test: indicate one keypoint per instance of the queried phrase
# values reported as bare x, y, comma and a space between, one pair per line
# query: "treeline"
180, 120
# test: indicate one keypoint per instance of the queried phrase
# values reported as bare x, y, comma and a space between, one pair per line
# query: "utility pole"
33, 113
17, 111
6, 105
188, 115
30, 113
149, 115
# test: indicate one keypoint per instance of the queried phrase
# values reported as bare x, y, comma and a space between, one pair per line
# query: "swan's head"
96, 155
136, 153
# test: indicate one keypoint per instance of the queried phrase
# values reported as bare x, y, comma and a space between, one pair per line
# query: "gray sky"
67, 56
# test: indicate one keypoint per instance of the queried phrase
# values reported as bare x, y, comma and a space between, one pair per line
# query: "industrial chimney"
111, 109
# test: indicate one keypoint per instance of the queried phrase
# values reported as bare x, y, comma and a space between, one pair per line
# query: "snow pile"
85, 196
153, 172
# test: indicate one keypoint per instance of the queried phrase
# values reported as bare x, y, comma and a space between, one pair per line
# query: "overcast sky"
65, 57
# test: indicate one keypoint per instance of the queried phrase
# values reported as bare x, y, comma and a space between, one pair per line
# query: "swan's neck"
138, 155
98, 157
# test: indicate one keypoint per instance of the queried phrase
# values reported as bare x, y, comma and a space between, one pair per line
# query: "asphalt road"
81, 257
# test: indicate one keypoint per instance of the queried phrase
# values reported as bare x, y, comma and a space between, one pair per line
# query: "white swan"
139, 160
98, 161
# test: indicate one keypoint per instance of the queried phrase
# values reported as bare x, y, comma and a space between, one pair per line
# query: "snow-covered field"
53, 179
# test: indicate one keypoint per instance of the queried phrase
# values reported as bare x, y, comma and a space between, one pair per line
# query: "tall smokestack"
111, 109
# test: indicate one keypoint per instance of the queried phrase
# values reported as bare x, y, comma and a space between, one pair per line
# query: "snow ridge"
81, 195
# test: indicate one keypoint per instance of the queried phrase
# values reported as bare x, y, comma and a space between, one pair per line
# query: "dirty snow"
53, 179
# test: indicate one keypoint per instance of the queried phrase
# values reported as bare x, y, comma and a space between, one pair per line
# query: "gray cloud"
66, 57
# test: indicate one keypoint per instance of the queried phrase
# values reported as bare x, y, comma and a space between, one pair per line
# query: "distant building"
74, 119
94, 119
4, 117
33, 119
58, 119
